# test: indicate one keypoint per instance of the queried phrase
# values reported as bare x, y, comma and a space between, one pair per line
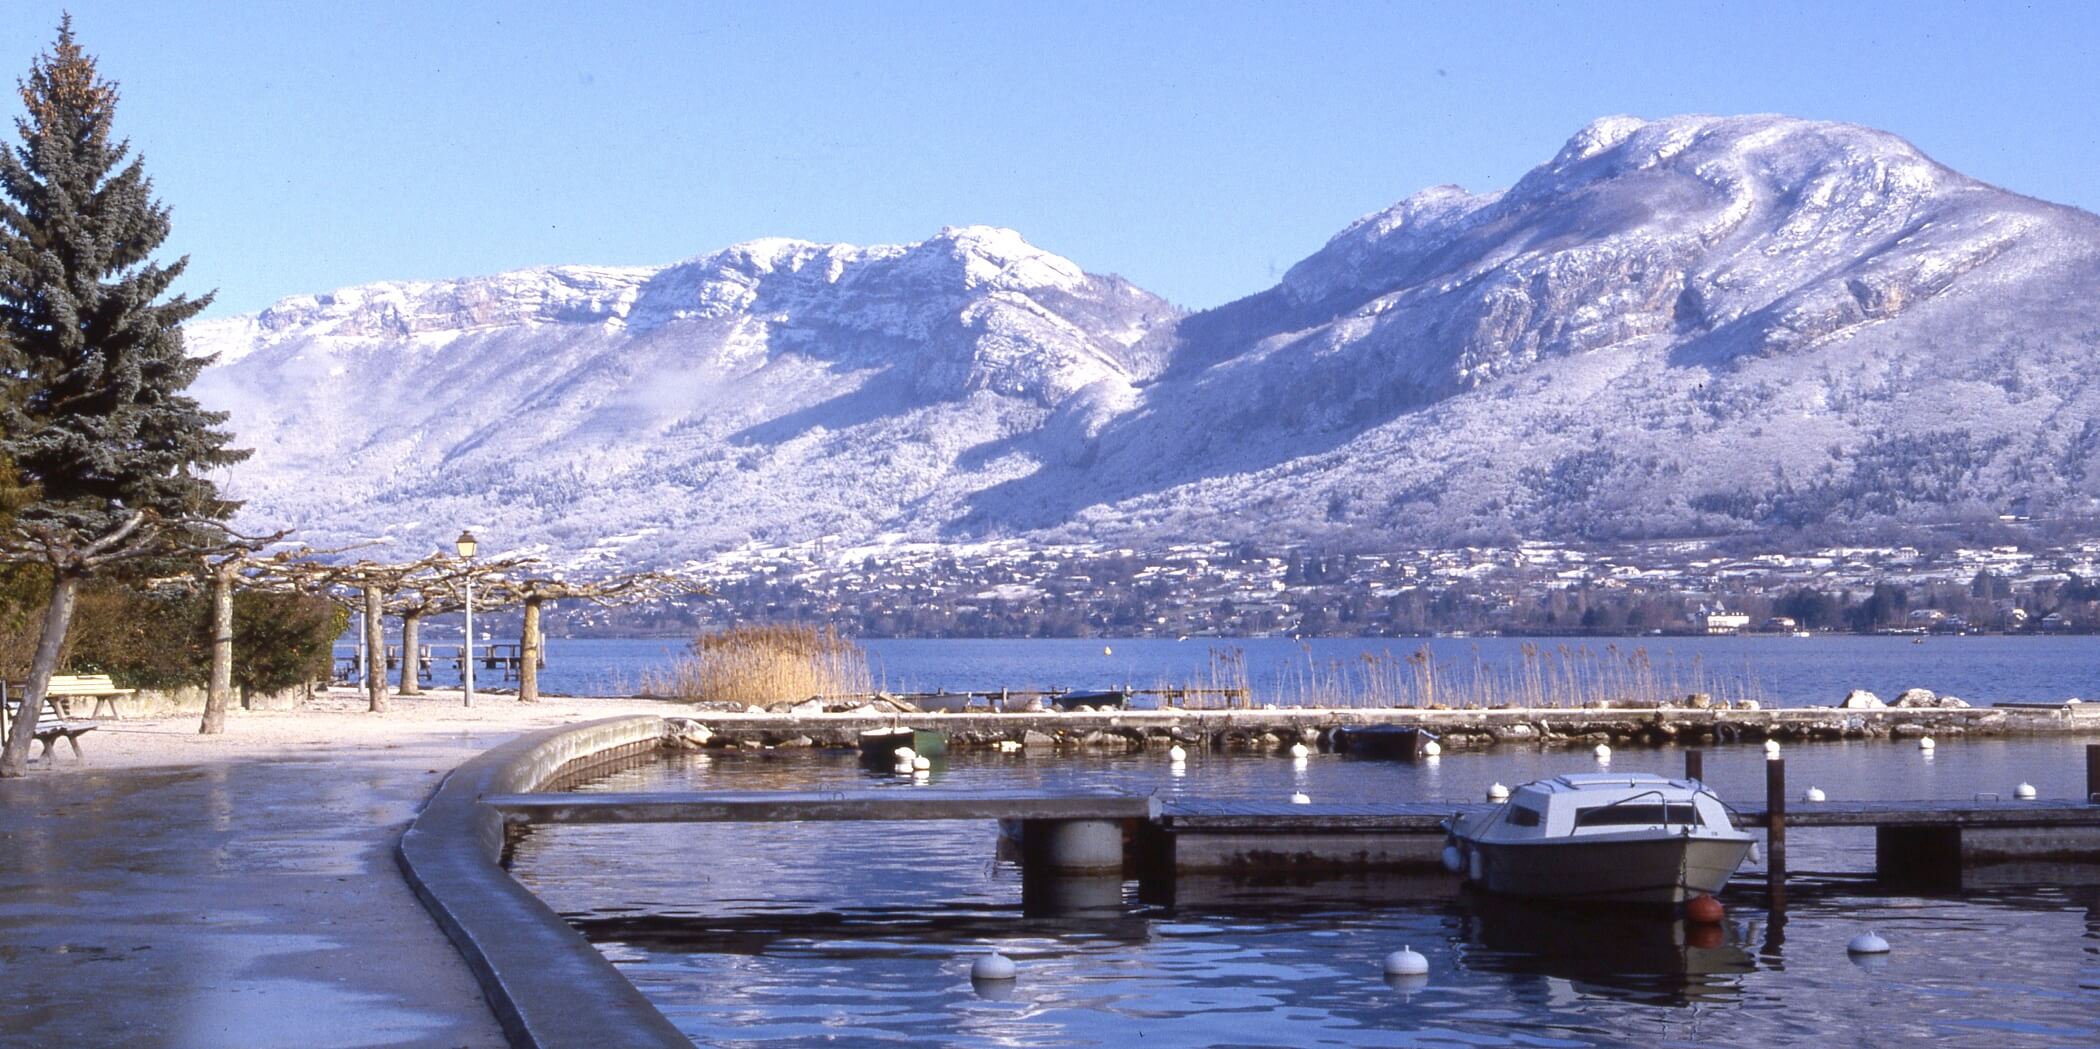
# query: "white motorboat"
1624, 837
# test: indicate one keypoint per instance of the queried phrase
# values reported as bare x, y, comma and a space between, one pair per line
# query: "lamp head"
466, 544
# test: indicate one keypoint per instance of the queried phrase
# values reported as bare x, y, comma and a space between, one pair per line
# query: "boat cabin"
1606, 803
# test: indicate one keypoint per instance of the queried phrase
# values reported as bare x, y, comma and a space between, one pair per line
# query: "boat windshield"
1638, 815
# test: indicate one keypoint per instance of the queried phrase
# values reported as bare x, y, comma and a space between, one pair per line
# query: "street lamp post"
466, 546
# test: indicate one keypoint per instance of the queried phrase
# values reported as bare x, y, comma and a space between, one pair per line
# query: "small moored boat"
1603, 836
1401, 742
1116, 698
879, 745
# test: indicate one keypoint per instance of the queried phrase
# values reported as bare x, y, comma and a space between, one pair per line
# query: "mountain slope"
775, 389
1695, 325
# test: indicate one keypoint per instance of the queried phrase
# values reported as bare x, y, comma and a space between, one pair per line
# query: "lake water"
1782, 671
862, 933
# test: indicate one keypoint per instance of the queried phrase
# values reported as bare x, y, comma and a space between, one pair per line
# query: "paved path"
239, 904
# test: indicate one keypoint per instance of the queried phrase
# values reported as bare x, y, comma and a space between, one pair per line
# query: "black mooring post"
2092, 772
1775, 830
1695, 764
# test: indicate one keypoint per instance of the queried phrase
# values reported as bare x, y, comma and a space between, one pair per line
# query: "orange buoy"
1704, 910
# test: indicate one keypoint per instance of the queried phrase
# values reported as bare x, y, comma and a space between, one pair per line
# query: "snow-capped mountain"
1687, 326
1692, 325
776, 389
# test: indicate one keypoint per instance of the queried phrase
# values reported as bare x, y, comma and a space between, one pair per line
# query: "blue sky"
1196, 148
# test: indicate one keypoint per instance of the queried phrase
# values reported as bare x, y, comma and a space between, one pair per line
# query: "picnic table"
99, 687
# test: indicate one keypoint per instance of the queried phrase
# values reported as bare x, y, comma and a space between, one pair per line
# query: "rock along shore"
1459, 729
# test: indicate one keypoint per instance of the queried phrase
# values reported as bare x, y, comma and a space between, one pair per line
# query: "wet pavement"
240, 904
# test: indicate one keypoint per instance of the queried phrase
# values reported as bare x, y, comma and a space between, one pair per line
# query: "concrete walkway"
237, 903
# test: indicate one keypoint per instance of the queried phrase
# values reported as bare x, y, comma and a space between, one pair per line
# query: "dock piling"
2092, 772
1695, 764
1775, 830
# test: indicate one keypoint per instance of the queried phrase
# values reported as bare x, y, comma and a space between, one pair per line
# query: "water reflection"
863, 933
1639, 956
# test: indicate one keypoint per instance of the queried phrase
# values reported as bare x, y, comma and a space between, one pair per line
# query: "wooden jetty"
1121, 834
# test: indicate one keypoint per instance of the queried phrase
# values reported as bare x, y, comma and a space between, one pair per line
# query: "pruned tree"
95, 422
534, 593
239, 561
441, 592
364, 587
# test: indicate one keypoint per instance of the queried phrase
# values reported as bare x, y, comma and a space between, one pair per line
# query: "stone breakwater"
1457, 729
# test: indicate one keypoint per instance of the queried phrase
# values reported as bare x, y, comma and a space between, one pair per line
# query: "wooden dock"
1156, 840
788, 806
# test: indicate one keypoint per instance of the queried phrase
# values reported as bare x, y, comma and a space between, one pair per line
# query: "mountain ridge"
1675, 326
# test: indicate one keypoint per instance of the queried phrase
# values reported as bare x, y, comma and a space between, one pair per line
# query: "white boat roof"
1608, 781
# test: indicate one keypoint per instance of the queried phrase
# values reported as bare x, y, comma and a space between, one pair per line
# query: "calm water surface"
863, 933
1777, 670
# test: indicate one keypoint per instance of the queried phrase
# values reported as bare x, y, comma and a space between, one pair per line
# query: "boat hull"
1664, 870
1387, 742
880, 747
1114, 699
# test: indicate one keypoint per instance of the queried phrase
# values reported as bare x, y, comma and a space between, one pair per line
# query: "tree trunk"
529, 654
411, 666
215, 695
58, 617
375, 649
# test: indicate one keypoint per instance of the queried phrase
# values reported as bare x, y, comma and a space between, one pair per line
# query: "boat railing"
1658, 795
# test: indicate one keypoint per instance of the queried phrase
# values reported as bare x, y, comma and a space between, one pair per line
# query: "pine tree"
94, 420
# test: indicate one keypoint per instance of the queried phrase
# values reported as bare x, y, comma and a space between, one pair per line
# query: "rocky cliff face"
1691, 325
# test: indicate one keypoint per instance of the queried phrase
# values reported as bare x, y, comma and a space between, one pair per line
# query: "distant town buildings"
1011, 588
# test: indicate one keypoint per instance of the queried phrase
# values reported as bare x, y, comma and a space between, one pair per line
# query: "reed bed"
1538, 676
765, 664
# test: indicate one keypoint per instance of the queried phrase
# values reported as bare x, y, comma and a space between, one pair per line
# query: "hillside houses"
1004, 588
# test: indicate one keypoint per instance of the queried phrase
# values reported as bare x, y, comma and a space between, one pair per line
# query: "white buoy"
1926, 743
1107, 651
993, 966
1007, 746
1299, 750
904, 755
1406, 962
1453, 862
1814, 794
1771, 748
1300, 798
921, 763
1867, 943
1432, 749
1498, 793
2024, 792
1603, 752
1177, 755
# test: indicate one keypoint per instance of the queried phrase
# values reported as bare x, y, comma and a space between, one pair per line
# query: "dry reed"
1536, 677
765, 664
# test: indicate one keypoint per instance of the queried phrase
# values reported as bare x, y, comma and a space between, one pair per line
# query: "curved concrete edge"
547, 985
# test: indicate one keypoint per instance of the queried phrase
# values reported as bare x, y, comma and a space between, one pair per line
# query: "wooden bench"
68, 687
47, 733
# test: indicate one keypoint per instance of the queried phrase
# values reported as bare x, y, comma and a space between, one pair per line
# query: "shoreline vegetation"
794, 663
759, 664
